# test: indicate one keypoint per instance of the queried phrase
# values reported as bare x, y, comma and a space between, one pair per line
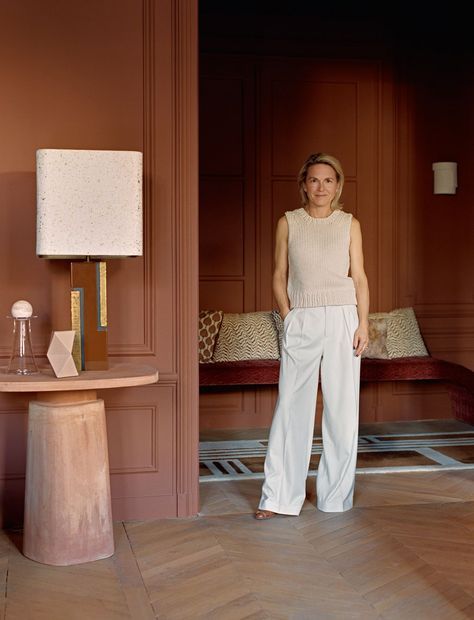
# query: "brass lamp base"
89, 315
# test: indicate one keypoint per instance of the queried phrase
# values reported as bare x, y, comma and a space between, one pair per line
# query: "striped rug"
377, 454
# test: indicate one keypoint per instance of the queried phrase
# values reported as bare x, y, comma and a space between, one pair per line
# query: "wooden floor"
371, 428
405, 551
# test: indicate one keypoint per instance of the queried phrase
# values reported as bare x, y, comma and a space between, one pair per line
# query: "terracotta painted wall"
386, 120
115, 74
436, 232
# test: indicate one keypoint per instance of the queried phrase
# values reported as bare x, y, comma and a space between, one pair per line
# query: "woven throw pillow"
209, 324
246, 336
403, 333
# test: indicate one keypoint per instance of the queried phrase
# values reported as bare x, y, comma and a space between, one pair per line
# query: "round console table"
68, 513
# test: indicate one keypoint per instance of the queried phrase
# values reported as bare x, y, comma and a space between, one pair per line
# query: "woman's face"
321, 185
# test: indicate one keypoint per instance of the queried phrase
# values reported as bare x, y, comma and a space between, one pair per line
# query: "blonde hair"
322, 158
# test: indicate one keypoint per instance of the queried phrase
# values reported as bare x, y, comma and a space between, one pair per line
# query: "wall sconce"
445, 177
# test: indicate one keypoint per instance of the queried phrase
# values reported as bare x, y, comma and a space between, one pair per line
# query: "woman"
325, 318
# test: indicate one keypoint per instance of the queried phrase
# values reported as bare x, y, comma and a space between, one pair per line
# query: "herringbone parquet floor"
405, 551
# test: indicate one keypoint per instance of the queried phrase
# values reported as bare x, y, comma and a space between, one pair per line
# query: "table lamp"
89, 208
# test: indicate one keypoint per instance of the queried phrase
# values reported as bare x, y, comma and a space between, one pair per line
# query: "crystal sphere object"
22, 309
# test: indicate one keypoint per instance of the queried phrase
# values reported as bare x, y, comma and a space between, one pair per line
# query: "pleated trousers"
314, 339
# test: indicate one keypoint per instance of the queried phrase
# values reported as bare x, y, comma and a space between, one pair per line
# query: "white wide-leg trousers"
314, 337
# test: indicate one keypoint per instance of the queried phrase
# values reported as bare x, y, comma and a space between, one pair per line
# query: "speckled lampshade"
89, 203
89, 206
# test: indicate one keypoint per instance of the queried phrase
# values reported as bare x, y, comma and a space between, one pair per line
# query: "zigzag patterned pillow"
278, 323
246, 336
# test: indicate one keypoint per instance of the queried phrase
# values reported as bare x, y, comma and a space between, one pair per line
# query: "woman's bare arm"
280, 273
361, 336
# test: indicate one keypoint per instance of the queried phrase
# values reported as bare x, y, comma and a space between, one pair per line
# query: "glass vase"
22, 359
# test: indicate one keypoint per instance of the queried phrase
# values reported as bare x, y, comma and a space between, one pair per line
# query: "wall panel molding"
446, 324
185, 79
446, 310
227, 161
147, 347
148, 53
139, 429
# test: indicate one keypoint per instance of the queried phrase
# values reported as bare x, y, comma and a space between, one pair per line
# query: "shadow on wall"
23, 275
13, 427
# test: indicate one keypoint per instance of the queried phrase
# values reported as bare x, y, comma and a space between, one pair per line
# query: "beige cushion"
209, 324
246, 336
403, 337
377, 348
391, 334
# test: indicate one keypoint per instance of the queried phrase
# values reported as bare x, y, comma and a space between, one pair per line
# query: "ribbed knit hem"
333, 297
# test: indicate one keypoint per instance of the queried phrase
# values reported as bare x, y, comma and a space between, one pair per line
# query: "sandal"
261, 515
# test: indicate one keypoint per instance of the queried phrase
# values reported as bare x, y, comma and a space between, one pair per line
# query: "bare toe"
264, 514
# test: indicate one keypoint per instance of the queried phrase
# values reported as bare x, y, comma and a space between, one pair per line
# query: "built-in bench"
458, 379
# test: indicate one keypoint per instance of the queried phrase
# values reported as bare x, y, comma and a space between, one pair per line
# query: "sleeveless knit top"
318, 260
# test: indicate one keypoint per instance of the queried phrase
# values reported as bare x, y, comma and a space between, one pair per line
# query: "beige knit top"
318, 259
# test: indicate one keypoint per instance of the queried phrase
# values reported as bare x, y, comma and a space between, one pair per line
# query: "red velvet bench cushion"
459, 379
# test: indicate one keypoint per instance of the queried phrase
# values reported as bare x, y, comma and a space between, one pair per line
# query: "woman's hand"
361, 339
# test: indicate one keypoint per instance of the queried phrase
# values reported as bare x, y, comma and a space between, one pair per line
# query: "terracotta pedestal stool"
68, 512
